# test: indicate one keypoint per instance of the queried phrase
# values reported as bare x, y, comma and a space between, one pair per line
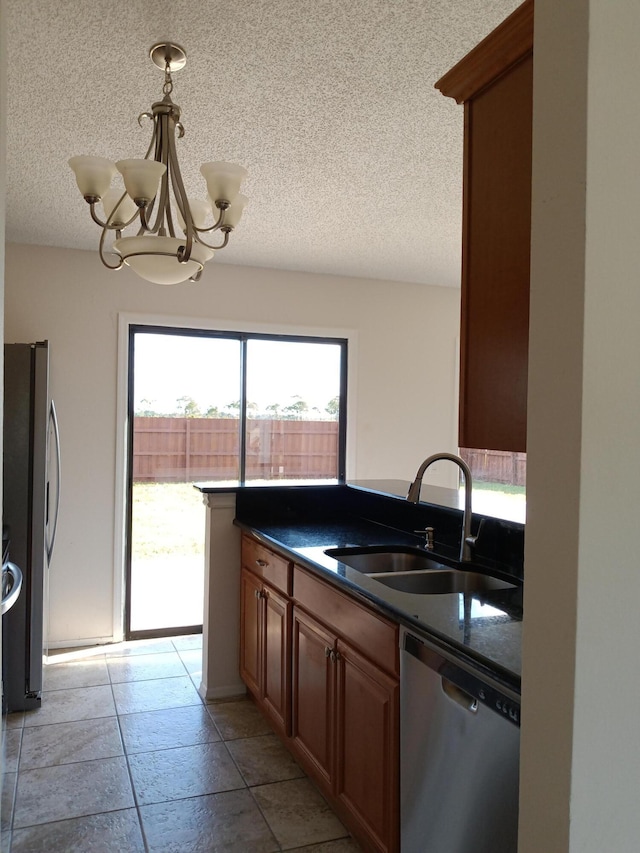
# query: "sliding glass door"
172, 377
221, 408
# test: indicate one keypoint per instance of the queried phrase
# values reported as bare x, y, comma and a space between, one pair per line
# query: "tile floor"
124, 756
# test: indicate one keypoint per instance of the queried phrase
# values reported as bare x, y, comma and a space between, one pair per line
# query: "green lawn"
168, 518
498, 487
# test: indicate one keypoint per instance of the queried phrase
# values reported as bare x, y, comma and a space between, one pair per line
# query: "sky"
168, 367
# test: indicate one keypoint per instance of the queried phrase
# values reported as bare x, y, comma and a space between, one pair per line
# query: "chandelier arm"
162, 157
145, 228
145, 115
170, 226
146, 212
156, 141
219, 223
109, 223
227, 231
95, 217
101, 253
155, 254
181, 199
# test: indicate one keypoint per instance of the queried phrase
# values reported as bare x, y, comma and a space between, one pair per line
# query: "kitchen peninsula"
301, 522
304, 609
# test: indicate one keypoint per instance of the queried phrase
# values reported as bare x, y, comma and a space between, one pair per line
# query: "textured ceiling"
355, 160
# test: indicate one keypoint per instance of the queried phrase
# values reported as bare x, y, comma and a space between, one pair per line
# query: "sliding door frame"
244, 337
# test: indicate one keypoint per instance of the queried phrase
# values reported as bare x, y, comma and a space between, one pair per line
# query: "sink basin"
443, 581
374, 559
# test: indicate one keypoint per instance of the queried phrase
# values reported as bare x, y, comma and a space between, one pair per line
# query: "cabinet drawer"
264, 563
373, 635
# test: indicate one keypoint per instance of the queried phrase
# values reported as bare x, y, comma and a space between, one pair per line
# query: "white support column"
221, 621
580, 760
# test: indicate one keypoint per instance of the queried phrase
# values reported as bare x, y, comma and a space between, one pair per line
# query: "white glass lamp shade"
156, 258
200, 212
141, 178
93, 174
119, 213
223, 180
233, 213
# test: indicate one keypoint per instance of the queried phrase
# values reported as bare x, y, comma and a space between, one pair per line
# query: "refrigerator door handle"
10, 592
52, 529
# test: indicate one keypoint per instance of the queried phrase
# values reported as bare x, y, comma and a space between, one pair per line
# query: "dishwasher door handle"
461, 697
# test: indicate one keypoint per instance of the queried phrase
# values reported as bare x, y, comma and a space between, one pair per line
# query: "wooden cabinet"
495, 84
324, 669
251, 631
265, 632
367, 765
345, 728
313, 697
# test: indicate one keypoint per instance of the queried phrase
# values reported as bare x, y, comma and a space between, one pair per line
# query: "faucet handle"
429, 534
472, 541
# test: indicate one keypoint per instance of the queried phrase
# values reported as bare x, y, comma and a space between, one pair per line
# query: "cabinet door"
251, 632
277, 654
313, 696
367, 772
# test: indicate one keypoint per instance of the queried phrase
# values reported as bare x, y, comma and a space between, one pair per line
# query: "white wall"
580, 774
405, 395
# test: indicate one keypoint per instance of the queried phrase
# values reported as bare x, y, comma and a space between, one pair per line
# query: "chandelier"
154, 198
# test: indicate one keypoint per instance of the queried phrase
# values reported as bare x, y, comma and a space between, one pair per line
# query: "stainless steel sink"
443, 581
374, 559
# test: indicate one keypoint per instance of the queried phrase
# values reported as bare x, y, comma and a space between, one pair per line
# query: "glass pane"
293, 393
186, 408
499, 482
185, 430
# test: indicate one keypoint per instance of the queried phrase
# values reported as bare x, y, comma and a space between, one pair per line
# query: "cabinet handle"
256, 592
327, 651
262, 563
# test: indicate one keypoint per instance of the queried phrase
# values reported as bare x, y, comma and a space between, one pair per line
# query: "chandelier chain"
167, 89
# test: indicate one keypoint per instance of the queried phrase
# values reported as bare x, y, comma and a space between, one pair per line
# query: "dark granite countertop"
484, 629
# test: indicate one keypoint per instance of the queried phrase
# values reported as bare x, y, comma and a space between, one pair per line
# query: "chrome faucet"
413, 496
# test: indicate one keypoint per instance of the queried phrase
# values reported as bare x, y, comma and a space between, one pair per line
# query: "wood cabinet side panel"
496, 259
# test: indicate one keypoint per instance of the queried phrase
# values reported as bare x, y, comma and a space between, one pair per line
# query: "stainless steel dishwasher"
460, 750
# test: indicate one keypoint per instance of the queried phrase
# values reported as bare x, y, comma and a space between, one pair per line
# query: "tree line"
298, 409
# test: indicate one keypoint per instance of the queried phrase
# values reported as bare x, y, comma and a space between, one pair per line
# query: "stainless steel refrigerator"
31, 499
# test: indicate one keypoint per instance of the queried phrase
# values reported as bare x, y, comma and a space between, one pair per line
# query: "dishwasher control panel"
469, 684
500, 703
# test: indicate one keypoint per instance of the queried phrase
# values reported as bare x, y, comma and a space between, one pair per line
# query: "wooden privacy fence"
197, 449
496, 466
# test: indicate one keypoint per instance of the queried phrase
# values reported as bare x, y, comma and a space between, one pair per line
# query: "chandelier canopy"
154, 198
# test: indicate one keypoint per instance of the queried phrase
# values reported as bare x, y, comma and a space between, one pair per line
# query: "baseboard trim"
81, 643
227, 692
